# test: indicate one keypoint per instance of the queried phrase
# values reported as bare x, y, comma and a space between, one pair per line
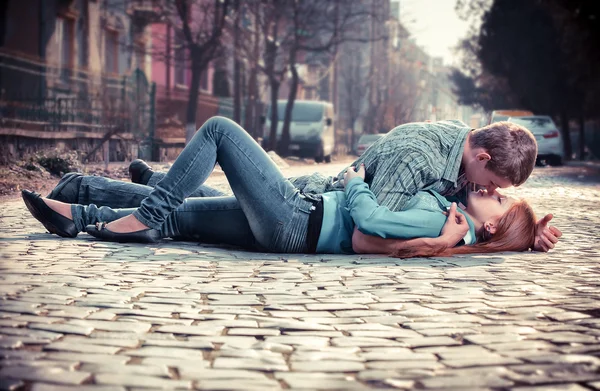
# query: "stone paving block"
321, 381
327, 366
176, 343
62, 328
150, 370
390, 333
404, 365
463, 382
253, 331
87, 357
304, 340
159, 351
66, 365
259, 364
364, 342
44, 374
81, 348
192, 372
136, 327
55, 387
129, 380
191, 330
428, 341
553, 387
121, 343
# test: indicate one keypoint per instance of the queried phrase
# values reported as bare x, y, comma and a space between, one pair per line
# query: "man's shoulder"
426, 135
446, 126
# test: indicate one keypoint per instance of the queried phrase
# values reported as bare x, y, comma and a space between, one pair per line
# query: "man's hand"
545, 236
455, 228
351, 174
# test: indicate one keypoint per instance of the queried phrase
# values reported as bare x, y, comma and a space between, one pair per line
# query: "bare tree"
202, 23
320, 26
353, 81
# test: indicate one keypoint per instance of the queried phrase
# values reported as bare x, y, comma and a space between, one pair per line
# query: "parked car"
312, 129
548, 137
504, 115
366, 140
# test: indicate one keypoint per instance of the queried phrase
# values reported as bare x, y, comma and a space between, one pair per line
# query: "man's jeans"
274, 210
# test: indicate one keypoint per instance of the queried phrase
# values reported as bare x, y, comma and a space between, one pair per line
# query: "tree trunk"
274, 115
564, 127
190, 118
289, 107
252, 105
581, 137
237, 91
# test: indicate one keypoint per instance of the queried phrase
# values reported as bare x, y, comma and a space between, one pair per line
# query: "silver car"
366, 140
547, 135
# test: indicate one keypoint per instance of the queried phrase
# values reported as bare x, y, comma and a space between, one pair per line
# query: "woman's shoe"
100, 231
54, 222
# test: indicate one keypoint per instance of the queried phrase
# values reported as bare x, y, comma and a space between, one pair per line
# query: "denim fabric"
208, 220
102, 191
276, 213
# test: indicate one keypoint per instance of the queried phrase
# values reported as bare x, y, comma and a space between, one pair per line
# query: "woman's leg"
223, 221
276, 213
102, 191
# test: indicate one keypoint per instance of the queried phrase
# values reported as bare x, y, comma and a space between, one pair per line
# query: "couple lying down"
406, 217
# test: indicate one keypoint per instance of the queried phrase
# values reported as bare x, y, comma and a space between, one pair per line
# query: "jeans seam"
255, 166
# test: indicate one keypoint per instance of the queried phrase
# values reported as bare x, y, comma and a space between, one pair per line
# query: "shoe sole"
39, 216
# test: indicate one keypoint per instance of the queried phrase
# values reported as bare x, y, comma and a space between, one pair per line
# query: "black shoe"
100, 231
140, 172
54, 222
67, 189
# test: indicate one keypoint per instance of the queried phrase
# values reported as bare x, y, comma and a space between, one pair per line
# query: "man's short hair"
512, 147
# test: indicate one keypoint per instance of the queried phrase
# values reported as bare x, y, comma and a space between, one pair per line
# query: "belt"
315, 221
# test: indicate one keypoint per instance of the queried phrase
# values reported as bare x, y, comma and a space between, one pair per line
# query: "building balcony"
144, 12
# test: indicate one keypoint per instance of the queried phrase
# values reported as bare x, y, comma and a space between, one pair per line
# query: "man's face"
477, 172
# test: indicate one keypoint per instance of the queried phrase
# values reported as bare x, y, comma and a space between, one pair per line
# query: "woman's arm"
374, 219
453, 231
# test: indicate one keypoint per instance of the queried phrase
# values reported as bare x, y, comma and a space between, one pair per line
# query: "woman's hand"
455, 228
351, 174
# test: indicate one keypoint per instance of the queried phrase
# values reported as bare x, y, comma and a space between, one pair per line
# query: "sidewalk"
78, 314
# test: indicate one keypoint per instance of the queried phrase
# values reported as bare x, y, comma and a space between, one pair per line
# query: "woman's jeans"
275, 211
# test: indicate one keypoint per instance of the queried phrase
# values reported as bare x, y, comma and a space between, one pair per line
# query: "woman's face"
486, 206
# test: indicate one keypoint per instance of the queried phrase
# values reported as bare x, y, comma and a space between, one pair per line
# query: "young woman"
276, 217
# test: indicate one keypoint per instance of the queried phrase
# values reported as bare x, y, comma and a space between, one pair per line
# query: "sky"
435, 26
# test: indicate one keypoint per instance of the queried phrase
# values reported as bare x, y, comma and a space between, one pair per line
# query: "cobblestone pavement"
78, 314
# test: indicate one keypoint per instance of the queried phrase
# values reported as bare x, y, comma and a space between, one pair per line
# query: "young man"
445, 156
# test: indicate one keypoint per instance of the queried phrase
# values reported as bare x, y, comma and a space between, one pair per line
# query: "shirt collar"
455, 157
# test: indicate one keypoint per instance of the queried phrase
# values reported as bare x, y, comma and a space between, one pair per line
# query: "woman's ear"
490, 227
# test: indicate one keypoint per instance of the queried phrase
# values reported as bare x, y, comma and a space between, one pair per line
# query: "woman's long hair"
515, 232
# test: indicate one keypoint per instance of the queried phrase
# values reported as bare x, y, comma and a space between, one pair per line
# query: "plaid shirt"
411, 157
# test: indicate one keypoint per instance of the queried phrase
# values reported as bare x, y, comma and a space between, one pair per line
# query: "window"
65, 36
111, 52
180, 65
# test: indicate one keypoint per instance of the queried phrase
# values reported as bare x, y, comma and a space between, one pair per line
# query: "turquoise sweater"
357, 205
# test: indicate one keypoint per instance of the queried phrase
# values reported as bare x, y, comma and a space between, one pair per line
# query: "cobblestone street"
80, 314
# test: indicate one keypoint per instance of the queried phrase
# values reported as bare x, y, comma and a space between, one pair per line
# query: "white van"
312, 129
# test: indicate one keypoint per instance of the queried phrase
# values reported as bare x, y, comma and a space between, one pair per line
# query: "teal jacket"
357, 205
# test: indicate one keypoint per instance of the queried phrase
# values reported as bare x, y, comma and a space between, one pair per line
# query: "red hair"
515, 232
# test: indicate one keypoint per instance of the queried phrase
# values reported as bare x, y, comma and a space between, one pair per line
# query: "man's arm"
400, 177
